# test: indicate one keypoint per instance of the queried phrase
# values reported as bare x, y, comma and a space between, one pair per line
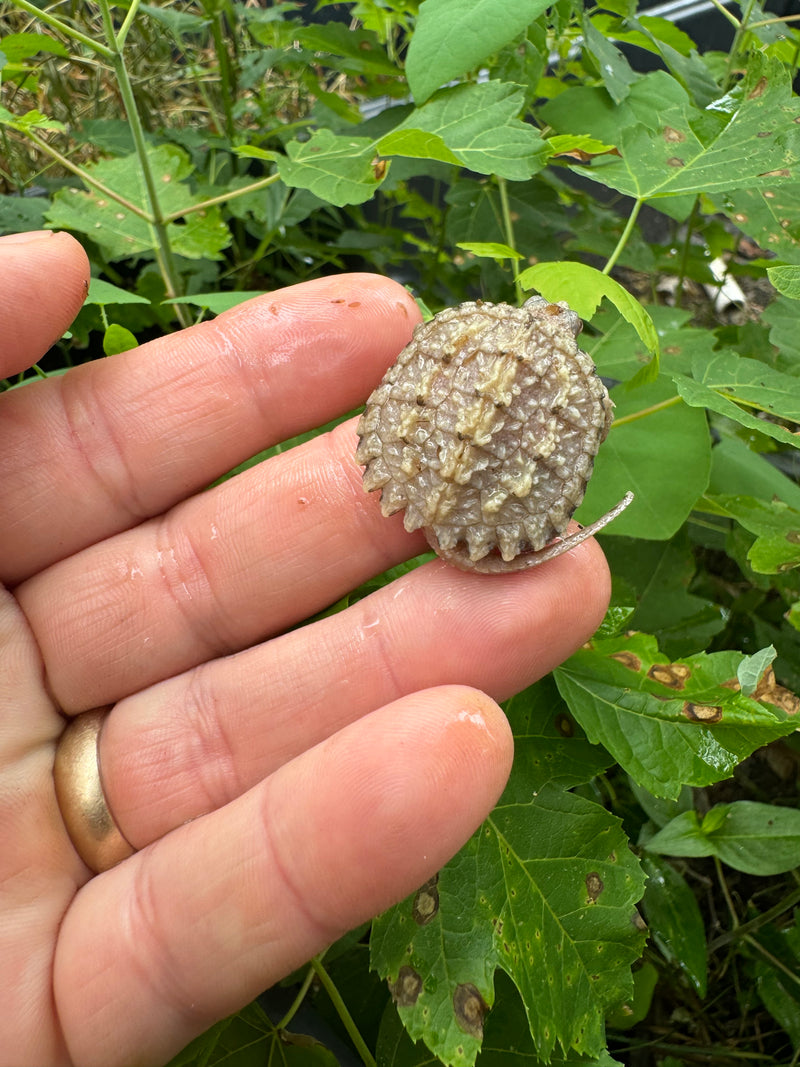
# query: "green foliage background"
487, 148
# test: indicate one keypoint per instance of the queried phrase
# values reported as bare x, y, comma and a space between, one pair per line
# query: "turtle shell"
485, 431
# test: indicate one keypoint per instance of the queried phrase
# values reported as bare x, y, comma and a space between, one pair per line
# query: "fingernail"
23, 238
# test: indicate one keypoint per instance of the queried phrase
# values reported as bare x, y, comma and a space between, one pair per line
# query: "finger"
130, 436
191, 929
38, 866
193, 743
44, 278
221, 571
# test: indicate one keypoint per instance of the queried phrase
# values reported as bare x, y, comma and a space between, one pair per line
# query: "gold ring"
79, 790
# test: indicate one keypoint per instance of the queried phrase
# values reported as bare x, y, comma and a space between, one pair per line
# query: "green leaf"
121, 233
507, 1039
770, 216
20, 214
747, 137
760, 839
102, 292
750, 382
666, 724
588, 109
118, 339
356, 51
452, 37
563, 144
336, 169
489, 250
738, 471
775, 524
249, 1039
549, 746
180, 24
657, 809
216, 303
786, 280
776, 978
725, 377
31, 120
645, 979
751, 669
661, 452
781, 317
675, 922
583, 287
544, 891
653, 32
476, 126
614, 68
18, 46
661, 573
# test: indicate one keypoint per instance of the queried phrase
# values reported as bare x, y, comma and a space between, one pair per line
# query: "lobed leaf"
476, 126
747, 137
120, 232
549, 746
544, 891
336, 169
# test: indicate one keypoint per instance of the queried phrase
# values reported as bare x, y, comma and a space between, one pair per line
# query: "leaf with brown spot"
707, 713
696, 738
530, 896
720, 146
673, 675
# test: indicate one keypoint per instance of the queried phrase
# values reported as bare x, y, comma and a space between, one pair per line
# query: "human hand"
280, 785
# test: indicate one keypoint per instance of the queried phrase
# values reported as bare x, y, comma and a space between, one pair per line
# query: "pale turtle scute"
485, 431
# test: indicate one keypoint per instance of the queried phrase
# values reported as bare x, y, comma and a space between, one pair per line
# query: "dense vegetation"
484, 148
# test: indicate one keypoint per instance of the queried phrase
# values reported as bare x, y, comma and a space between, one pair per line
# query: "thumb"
44, 278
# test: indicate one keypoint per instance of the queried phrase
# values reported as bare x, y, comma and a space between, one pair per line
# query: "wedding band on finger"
79, 790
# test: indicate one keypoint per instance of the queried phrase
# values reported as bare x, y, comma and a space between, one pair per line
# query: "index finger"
116, 441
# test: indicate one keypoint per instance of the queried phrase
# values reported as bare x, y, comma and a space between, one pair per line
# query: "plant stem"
344, 1014
63, 27
163, 248
750, 927
687, 244
623, 237
298, 1000
126, 25
726, 892
727, 14
646, 411
225, 76
774, 961
508, 232
262, 183
85, 177
772, 21
741, 32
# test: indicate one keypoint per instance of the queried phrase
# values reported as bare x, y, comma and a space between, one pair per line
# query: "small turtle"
485, 431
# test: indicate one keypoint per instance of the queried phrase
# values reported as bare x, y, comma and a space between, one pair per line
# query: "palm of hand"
282, 785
